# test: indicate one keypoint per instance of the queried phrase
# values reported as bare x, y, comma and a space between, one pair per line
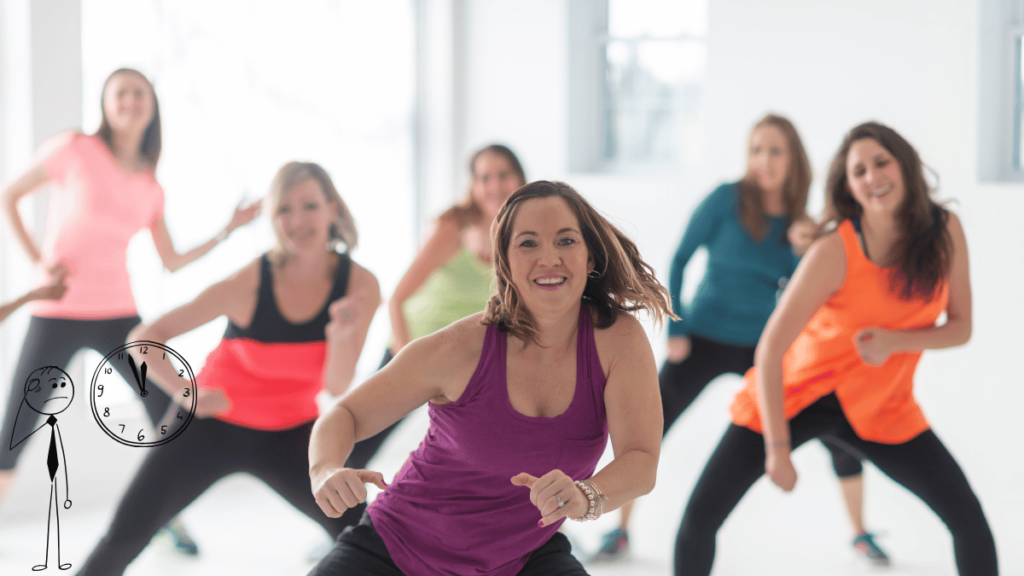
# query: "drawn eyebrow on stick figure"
49, 390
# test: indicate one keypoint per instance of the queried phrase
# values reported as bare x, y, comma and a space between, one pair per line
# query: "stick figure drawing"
49, 390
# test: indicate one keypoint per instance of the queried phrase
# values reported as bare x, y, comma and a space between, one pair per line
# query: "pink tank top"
95, 209
453, 509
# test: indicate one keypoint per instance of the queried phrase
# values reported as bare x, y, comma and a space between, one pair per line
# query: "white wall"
828, 66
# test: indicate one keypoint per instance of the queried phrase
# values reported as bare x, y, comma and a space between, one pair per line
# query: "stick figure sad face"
49, 390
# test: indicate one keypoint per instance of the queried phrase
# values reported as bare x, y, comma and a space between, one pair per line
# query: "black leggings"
175, 474
681, 383
921, 465
361, 552
52, 342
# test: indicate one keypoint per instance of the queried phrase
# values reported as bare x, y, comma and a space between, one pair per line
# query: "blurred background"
642, 105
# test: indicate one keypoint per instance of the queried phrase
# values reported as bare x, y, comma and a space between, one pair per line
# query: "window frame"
1000, 124
589, 97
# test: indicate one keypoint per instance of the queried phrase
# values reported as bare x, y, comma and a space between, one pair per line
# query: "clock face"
135, 365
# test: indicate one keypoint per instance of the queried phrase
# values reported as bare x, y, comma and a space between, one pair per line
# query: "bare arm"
9, 308
422, 371
346, 333
440, 247
30, 181
234, 297
54, 290
174, 261
633, 403
819, 275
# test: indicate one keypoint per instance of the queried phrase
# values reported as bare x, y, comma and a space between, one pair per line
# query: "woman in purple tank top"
523, 398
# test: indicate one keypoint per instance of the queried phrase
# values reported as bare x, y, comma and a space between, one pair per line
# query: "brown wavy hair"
624, 282
152, 142
467, 212
343, 229
794, 190
920, 260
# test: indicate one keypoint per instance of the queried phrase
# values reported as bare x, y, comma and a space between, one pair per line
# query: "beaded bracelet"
595, 499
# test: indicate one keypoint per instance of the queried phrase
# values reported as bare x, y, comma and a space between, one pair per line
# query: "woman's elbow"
172, 264
140, 332
648, 486
966, 330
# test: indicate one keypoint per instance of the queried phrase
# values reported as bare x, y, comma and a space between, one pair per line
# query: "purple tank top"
453, 509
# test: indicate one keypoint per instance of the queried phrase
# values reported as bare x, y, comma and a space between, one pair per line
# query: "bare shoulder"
450, 355
239, 292
362, 280
624, 339
828, 246
462, 341
954, 226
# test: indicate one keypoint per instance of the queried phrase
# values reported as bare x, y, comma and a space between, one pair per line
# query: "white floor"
244, 528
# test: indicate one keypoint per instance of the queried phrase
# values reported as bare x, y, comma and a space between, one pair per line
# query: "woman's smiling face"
548, 258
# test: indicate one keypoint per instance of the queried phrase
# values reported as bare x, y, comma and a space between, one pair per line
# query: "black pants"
52, 342
921, 465
681, 383
360, 551
175, 474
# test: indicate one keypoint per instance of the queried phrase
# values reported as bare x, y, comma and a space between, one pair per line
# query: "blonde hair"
343, 229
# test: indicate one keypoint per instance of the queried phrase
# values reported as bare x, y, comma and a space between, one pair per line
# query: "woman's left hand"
547, 491
346, 317
243, 215
210, 402
801, 235
874, 345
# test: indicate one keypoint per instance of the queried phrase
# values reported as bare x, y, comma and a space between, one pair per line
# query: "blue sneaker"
614, 546
866, 547
180, 539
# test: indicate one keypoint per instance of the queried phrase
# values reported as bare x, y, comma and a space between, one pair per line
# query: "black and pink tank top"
272, 370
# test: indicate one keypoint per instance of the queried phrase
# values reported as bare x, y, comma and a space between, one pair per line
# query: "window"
638, 73
1017, 31
1001, 91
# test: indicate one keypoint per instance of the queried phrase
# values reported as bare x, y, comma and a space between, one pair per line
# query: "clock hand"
135, 371
142, 383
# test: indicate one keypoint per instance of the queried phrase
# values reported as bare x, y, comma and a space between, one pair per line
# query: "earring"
593, 274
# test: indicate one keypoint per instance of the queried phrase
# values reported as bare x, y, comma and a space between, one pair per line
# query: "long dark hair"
151, 144
467, 212
794, 190
920, 259
623, 282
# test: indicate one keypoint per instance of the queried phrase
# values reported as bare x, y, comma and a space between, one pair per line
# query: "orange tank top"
877, 400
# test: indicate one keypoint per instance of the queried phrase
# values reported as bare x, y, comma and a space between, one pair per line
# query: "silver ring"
560, 501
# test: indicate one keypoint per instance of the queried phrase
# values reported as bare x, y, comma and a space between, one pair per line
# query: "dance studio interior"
642, 106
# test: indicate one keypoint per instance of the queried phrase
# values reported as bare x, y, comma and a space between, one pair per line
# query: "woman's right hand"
778, 466
54, 288
210, 402
342, 488
678, 349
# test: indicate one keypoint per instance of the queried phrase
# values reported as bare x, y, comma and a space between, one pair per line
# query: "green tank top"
459, 289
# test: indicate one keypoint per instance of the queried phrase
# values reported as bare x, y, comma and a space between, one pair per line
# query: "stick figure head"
49, 390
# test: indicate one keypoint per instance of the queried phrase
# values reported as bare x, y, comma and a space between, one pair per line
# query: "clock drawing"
125, 421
